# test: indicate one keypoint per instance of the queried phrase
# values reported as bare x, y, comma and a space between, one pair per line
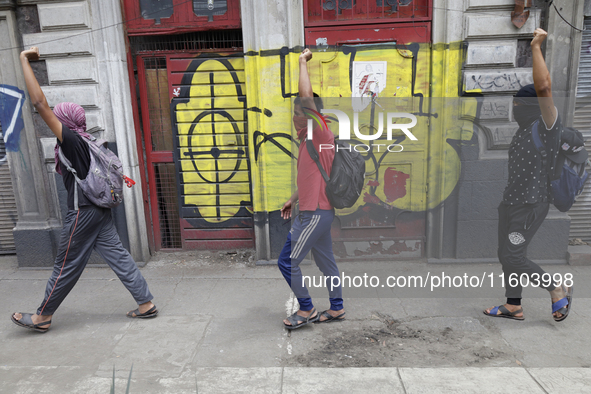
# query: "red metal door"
209, 118
195, 134
154, 86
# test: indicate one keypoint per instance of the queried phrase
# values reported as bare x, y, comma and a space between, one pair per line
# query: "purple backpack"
103, 184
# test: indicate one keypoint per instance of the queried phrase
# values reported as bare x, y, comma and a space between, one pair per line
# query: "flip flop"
26, 321
298, 321
563, 305
152, 312
506, 313
330, 317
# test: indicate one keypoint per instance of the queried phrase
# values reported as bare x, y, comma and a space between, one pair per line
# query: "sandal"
26, 321
330, 317
506, 313
298, 321
152, 312
563, 305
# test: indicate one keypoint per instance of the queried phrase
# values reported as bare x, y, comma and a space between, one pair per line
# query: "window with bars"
188, 42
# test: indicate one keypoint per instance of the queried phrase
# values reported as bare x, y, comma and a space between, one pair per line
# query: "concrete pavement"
220, 330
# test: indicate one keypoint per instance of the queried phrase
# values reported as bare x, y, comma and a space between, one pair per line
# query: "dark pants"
310, 231
84, 230
517, 226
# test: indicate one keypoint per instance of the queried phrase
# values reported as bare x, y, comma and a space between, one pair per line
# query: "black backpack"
347, 176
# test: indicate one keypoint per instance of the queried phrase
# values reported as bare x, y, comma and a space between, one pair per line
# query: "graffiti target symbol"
216, 151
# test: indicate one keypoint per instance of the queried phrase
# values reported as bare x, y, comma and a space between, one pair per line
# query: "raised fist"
539, 37
31, 54
306, 55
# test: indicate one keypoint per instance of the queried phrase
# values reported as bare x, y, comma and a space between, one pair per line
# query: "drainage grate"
188, 42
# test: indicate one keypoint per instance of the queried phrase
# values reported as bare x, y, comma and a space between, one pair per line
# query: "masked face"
526, 114
526, 109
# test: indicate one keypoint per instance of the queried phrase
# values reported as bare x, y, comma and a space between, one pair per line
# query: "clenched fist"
306, 55
31, 54
539, 37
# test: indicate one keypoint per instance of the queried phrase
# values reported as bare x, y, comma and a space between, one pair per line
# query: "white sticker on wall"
369, 79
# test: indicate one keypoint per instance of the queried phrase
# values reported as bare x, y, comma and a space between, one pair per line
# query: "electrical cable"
562, 17
189, 1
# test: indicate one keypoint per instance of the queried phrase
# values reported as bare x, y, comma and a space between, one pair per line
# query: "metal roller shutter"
8, 214
580, 213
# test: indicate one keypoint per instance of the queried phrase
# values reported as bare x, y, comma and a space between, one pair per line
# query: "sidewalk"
219, 330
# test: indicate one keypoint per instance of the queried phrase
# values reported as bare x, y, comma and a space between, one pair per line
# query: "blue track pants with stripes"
310, 231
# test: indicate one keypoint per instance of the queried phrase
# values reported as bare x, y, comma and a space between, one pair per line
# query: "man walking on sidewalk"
527, 197
87, 228
311, 228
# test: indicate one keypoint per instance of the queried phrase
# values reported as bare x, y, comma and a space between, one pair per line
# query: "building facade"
196, 97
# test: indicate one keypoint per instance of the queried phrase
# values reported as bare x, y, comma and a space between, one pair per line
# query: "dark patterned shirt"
528, 183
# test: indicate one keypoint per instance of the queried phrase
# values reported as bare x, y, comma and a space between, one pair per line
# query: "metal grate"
8, 213
168, 210
580, 213
195, 41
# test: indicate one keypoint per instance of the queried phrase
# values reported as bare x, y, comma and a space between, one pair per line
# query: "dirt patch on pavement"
387, 342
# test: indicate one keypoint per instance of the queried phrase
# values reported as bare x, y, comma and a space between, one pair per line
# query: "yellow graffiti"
431, 162
212, 140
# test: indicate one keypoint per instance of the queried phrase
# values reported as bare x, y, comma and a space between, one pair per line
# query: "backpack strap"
540, 146
68, 165
314, 155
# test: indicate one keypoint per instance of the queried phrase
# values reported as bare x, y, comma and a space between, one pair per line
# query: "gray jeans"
84, 230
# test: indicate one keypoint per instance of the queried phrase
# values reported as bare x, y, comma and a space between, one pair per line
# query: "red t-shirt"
311, 185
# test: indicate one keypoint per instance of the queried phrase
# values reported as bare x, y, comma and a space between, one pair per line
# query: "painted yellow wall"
430, 160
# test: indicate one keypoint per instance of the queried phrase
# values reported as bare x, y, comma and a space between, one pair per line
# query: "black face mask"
528, 110
525, 115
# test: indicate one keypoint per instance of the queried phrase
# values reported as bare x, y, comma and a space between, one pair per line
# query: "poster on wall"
369, 79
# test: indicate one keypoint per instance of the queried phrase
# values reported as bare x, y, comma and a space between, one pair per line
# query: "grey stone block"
484, 170
85, 96
65, 71
34, 247
469, 152
492, 53
497, 81
464, 198
551, 240
96, 119
477, 239
490, 4
59, 44
486, 197
478, 25
499, 136
491, 108
62, 16
47, 147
